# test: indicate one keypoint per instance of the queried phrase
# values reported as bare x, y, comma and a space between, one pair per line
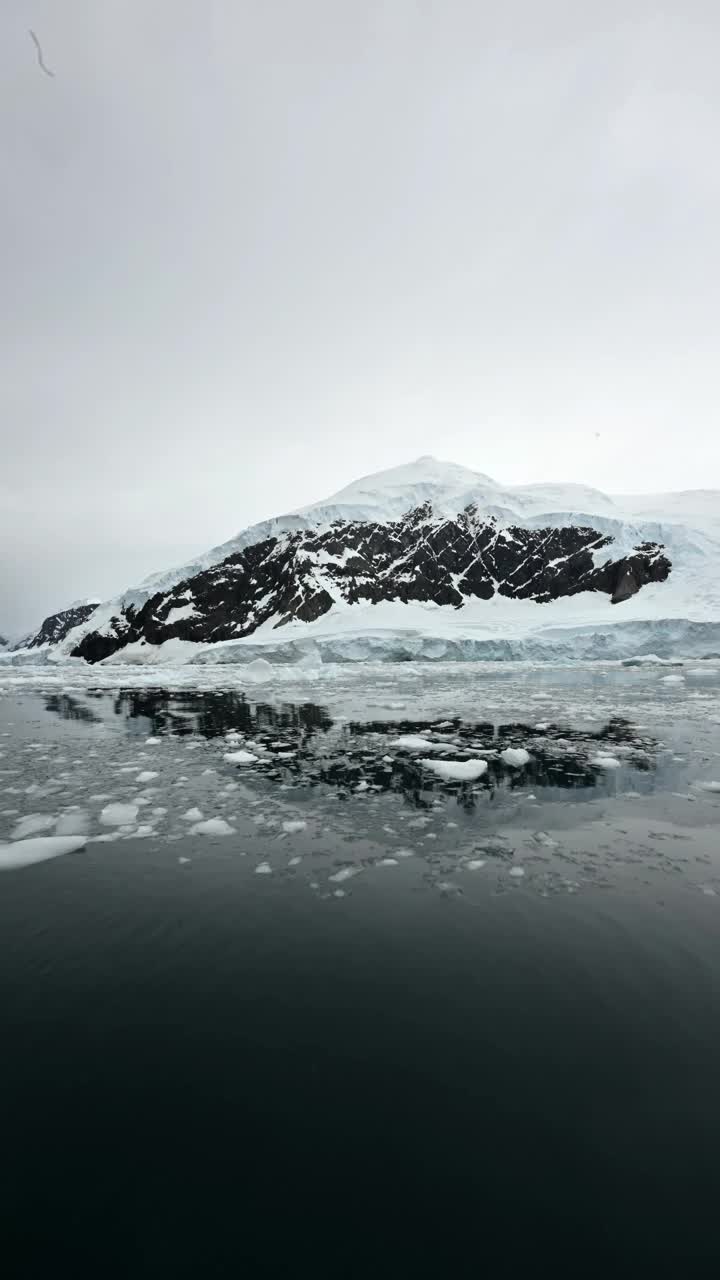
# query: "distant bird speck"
40, 58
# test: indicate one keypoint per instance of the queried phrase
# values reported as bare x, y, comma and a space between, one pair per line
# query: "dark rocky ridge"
58, 626
416, 559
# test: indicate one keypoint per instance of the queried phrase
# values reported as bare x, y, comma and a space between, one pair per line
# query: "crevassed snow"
456, 770
24, 853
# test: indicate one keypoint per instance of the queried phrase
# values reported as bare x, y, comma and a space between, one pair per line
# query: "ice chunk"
345, 873
117, 815
413, 742
213, 827
26, 852
517, 872
182, 861
31, 824
707, 786
387, 862
605, 762
193, 815
151, 742
240, 757
263, 869
146, 776
456, 770
72, 824
295, 825
294, 862
515, 757
475, 864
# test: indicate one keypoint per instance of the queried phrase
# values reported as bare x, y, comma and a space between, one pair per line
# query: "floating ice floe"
240, 757
456, 770
291, 826
147, 775
193, 815
605, 762
475, 864
345, 873
118, 814
263, 869
517, 872
24, 853
413, 742
212, 827
515, 757
75, 823
31, 824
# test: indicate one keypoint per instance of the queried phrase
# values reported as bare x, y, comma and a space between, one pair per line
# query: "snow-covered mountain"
431, 549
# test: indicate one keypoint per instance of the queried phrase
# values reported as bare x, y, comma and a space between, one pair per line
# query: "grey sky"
252, 249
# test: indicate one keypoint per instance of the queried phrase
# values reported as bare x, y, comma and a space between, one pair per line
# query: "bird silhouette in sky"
40, 58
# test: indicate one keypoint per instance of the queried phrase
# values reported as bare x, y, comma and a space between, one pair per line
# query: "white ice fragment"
26, 852
117, 815
151, 742
294, 862
707, 786
387, 862
31, 824
146, 776
605, 762
456, 770
182, 861
345, 873
672, 679
192, 815
475, 864
213, 827
362, 786
72, 824
413, 742
517, 872
295, 825
240, 757
159, 812
515, 757
263, 869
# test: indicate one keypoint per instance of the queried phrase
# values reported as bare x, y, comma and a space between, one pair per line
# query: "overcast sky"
252, 249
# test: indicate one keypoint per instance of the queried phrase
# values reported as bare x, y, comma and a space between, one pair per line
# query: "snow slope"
688, 524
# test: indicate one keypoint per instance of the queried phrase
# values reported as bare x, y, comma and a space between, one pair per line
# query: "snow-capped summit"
449, 488
431, 548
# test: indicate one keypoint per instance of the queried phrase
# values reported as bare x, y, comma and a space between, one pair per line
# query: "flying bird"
40, 59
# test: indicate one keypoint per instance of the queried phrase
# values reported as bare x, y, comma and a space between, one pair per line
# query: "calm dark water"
208, 1072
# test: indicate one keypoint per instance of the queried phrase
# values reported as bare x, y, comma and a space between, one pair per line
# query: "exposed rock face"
419, 558
56, 627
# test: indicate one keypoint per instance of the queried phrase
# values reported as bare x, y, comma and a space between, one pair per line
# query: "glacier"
679, 617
